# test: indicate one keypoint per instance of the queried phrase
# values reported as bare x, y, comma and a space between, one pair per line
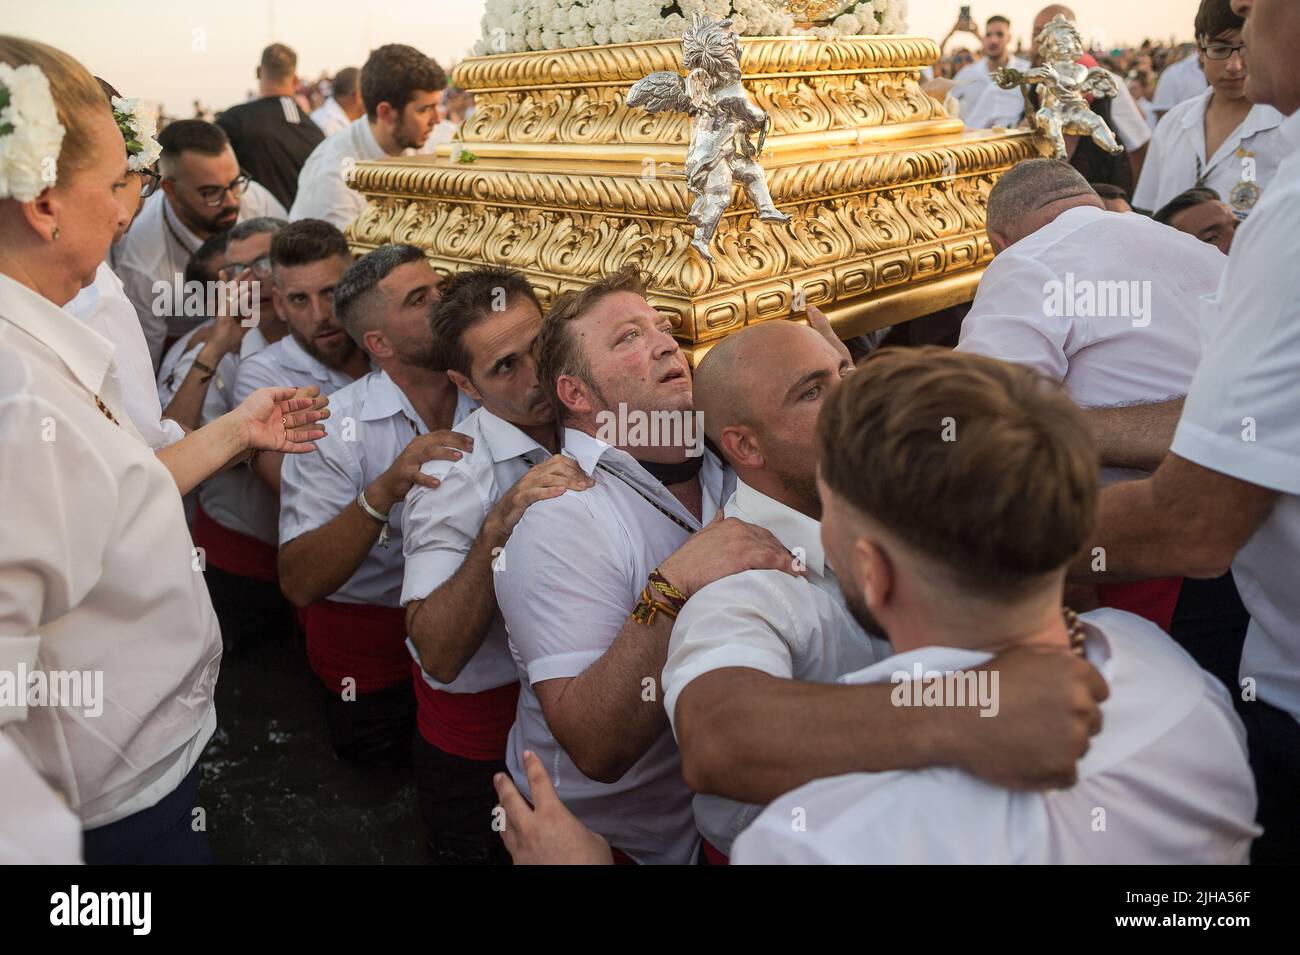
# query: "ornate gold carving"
886, 203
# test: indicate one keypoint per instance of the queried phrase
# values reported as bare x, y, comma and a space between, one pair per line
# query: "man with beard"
401, 89
983, 103
203, 193
341, 514
620, 559
453, 529
760, 392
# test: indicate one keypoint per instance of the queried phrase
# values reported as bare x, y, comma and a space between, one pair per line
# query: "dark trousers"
251, 612
456, 799
374, 729
163, 834
1210, 623
1274, 738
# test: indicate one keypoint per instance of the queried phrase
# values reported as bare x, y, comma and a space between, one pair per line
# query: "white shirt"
1127, 122
330, 117
103, 306
1165, 781
983, 103
237, 498
1240, 169
96, 574
440, 524
795, 628
1178, 83
1242, 418
1114, 352
36, 828
157, 248
370, 424
323, 189
574, 569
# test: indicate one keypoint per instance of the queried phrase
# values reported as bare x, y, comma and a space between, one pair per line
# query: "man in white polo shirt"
234, 521
589, 702
401, 89
1179, 81
203, 193
1109, 305
759, 391
983, 103
1219, 139
1228, 494
466, 683
953, 582
340, 513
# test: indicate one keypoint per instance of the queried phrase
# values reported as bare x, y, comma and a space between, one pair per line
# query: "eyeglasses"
213, 196
260, 267
1221, 51
149, 183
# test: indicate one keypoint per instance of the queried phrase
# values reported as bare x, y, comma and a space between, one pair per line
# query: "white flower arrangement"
30, 133
138, 127
515, 26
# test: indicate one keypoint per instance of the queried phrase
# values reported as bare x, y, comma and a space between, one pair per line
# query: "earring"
55, 234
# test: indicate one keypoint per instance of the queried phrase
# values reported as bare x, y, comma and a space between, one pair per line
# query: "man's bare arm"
1183, 521
1134, 436
750, 736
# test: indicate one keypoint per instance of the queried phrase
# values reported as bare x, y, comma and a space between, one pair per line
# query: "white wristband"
374, 515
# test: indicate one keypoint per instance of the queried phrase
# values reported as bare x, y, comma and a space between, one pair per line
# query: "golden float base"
886, 192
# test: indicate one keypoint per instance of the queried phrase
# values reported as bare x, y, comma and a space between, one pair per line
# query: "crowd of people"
1028, 599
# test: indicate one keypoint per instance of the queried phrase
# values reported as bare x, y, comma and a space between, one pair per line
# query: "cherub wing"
660, 92
1100, 83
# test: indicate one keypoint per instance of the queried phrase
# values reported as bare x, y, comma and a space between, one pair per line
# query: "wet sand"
271, 787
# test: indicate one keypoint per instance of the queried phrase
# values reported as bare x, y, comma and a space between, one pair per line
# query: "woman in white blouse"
105, 622
1218, 139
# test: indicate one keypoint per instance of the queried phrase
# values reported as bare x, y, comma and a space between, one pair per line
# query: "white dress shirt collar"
798, 533
1290, 129
88, 355
505, 441
1258, 120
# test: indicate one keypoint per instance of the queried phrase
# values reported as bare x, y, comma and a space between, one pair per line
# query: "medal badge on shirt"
1245, 193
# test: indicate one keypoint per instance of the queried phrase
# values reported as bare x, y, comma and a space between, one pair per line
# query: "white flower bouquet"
514, 26
30, 133
138, 127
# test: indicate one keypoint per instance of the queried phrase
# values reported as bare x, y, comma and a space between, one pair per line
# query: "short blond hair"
77, 97
983, 466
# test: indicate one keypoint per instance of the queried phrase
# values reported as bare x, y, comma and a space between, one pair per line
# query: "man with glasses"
203, 192
1219, 140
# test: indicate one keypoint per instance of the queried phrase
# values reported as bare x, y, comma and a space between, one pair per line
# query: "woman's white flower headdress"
30, 133
138, 127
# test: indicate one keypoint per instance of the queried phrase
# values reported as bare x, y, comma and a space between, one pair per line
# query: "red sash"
468, 725
233, 552
1153, 599
714, 856
362, 641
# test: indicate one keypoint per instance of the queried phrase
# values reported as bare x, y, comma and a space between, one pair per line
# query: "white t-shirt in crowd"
791, 627
330, 117
97, 575
370, 424
157, 248
1239, 171
103, 306
323, 185
983, 103
440, 525
1139, 341
573, 570
1165, 781
1242, 418
1178, 83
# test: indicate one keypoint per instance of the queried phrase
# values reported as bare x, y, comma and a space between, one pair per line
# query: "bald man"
1107, 304
749, 678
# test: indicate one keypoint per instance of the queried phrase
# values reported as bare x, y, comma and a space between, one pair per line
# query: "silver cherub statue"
1064, 83
722, 121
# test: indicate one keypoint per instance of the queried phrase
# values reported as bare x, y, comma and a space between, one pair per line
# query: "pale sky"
175, 51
